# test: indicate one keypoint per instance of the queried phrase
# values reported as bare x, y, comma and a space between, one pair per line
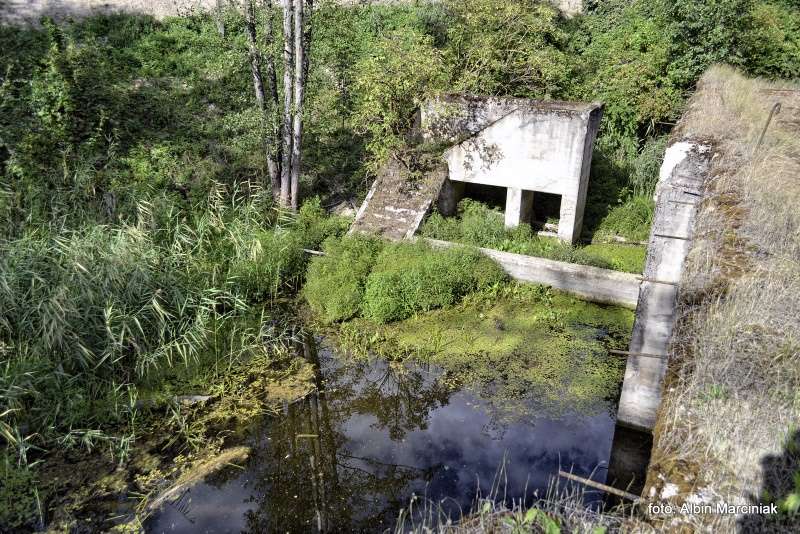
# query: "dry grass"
732, 398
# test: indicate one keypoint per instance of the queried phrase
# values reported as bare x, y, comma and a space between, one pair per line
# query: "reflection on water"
350, 457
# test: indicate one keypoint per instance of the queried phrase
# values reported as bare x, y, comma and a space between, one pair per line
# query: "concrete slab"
590, 283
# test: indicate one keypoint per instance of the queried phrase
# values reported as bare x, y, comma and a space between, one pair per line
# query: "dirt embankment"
727, 427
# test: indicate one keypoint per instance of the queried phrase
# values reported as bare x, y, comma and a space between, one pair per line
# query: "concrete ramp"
400, 196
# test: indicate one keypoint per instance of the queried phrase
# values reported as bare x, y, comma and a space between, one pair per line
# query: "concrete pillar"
569, 228
449, 196
519, 207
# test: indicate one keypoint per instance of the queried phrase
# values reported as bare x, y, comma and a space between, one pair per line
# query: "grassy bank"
727, 430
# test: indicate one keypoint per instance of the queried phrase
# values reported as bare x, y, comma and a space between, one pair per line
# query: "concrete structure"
520, 144
400, 196
23, 12
569, 8
679, 189
589, 283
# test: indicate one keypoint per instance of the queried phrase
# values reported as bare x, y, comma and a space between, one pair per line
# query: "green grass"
479, 225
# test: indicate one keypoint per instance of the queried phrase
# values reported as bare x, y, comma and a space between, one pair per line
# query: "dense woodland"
145, 244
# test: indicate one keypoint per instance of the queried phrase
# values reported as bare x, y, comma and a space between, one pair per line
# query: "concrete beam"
589, 283
685, 168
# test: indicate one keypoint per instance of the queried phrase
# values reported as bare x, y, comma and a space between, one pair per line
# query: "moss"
522, 342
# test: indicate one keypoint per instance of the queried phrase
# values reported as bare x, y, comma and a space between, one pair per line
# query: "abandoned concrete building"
523, 146
526, 146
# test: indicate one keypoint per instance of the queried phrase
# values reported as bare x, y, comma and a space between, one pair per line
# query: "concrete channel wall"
590, 283
679, 191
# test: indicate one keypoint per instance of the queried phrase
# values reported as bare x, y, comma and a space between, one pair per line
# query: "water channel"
377, 435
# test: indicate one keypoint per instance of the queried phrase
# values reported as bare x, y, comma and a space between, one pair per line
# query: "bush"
335, 282
411, 278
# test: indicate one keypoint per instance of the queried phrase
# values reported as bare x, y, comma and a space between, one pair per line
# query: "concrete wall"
589, 283
31, 11
523, 145
569, 8
679, 189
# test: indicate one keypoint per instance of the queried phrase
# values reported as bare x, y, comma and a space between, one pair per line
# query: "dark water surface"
350, 457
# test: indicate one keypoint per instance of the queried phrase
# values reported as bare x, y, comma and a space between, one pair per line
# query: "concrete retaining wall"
21, 12
679, 190
589, 283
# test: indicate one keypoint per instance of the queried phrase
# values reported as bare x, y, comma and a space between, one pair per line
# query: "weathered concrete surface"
569, 8
679, 190
23, 12
589, 283
400, 197
521, 144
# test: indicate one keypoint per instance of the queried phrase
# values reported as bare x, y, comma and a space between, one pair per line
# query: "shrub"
507, 48
402, 68
335, 282
411, 278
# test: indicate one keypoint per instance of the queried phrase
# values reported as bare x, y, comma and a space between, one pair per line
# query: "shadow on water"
374, 435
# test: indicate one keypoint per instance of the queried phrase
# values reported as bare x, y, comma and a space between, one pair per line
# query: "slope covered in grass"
728, 425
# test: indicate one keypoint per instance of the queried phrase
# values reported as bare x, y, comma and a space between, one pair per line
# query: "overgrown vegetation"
359, 276
136, 244
736, 370
480, 226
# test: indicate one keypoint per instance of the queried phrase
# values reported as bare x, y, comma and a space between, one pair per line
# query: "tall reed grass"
88, 315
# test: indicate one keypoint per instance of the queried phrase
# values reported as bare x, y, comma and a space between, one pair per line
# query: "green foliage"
625, 64
707, 32
412, 278
481, 226
335, 282
20, 506
401, 70
507, 48
772, 45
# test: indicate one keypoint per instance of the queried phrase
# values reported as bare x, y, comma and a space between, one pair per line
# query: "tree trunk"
299, 87
255, 57
274, 145
288, 63
219, 18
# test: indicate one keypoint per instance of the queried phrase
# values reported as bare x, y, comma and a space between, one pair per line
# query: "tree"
296, 44
283, 130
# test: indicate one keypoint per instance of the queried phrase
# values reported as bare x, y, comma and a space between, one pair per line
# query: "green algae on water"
525, 342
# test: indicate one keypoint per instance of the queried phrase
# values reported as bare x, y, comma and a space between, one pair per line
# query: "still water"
351, 456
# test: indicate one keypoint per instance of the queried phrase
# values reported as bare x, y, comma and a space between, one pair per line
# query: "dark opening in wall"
546, 208
490, 195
